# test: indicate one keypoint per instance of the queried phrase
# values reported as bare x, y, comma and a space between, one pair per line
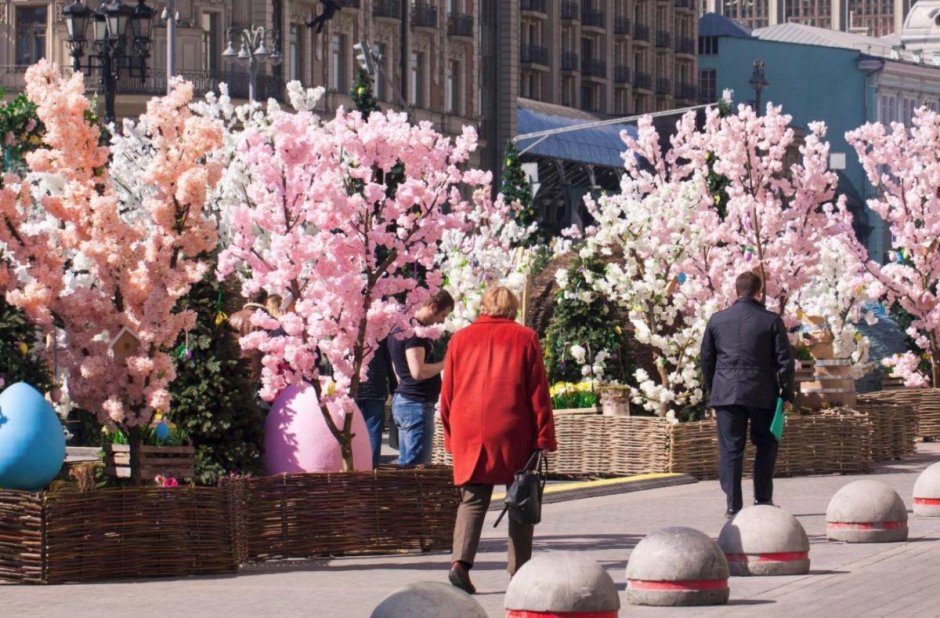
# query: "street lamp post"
114, 23
253, 51
758, 82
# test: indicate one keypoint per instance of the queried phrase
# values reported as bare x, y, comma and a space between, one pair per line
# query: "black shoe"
459, 577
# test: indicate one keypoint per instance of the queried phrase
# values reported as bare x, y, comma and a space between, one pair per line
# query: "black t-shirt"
419, 390
378, 379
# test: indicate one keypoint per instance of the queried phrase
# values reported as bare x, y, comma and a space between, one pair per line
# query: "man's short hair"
441, 301
499, 302
747, 285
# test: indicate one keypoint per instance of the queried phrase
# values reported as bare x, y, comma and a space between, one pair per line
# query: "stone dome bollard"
428, 600
765, 540
677, 566
927, 492
866, 512
561, 583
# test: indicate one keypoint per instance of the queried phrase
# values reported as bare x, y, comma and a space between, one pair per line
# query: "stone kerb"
927, 492
765, 540
555, 584
677, 566
866, 511
428, 600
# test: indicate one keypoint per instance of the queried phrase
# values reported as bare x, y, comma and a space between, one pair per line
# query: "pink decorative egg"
297, 439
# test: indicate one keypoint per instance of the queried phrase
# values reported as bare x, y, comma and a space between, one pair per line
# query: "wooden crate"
169, 461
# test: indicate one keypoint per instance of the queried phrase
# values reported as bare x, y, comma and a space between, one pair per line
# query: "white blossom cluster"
651, 235
842, 293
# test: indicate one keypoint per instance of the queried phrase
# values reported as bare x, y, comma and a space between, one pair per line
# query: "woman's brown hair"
499, 302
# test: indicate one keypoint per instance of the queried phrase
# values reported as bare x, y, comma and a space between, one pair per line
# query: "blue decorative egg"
162, 430
32, 444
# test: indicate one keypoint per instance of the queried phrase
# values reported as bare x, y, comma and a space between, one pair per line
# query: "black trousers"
732, 437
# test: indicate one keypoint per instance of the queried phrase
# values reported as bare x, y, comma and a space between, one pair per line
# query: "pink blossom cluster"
905, 366
319, 224
91, 262
903, 164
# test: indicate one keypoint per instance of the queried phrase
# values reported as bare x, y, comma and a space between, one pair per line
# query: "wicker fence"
306, 515
68, 536
21, 537
835, 442
113, 533
925, 402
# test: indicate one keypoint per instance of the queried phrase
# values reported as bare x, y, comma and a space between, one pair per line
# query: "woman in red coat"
496, 410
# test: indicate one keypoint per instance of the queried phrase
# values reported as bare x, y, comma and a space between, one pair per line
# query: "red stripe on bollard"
527, 613
690, 585
875, 525
927, 501
784, 556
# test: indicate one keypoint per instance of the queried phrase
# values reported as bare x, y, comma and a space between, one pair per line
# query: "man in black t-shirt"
419, 383
373, 392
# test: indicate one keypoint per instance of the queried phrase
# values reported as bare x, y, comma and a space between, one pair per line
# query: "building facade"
609, 57
869, 17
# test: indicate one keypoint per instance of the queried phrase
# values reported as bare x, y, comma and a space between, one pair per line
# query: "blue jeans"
373, 411
415, 420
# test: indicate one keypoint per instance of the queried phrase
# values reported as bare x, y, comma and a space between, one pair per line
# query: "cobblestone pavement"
892, 579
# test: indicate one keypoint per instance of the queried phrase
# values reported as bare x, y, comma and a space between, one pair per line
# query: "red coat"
495, 405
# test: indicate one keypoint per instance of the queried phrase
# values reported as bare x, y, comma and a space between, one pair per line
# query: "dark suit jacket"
746, 357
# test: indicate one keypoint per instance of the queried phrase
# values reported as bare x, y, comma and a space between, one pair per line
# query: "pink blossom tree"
780, 200
903, 165
318, 222
95, 262
681, 259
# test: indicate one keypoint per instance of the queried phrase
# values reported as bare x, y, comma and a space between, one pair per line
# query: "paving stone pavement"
891, 579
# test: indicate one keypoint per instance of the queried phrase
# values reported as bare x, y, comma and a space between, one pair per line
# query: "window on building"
338, 62
295, 52
707, 45
887, 108
621, 101
907, 110
453, 102
379, 77
30, 34
416, 83
211, 42
567, 92
708, 85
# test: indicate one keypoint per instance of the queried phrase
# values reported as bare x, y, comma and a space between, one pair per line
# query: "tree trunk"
935, 367
134, 441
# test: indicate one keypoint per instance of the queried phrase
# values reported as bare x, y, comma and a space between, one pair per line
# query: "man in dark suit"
747, 362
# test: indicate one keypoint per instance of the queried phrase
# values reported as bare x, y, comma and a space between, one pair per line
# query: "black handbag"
524, 495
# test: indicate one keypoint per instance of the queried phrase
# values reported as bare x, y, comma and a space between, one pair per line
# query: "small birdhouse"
124, 344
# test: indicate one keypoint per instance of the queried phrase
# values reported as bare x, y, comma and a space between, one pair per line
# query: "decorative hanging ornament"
182, 351
682, 278
23, 348
220, 316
